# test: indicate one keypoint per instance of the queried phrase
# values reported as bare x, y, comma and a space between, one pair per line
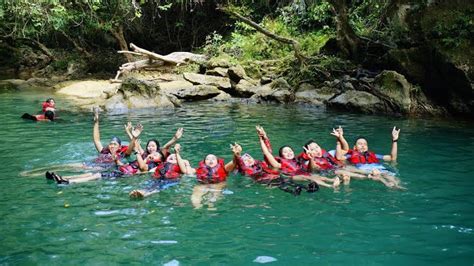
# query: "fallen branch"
154, 60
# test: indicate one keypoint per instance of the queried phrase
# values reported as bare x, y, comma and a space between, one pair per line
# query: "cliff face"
440, 56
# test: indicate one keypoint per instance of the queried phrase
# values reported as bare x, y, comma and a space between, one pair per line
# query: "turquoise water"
363, 224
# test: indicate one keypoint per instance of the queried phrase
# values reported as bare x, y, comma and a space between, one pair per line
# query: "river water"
362, 224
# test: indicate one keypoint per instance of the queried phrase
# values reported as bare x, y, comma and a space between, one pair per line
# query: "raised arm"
236, 151
342, 147
394, 152
266, 148
312, 165
179, 160
176, 137
128, 129
141, 162
135, 134
95, 131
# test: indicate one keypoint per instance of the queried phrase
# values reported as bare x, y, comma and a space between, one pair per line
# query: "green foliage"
317, 16
213, 44
452, 31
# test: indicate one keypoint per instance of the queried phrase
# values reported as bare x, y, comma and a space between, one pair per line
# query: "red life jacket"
106, 157
325, 162
46, 105
291, 167
362, 158
128, 169
208, 175
259, 170
167, 170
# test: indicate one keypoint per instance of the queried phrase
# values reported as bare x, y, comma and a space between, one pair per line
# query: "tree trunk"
296, 46
347, 40
76, 45
118, 35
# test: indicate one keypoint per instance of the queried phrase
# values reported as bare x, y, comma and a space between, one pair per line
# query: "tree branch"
296, 46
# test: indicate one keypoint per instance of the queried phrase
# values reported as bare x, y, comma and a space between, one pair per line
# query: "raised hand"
136, 147
128, 127
179, 133
261, 132
177, 148
137, 130
308, 152
96, 113
395, 133
236, 148
338, 132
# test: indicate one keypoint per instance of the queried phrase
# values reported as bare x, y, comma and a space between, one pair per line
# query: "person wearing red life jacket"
153, 144
288, 164
211, 175
47, 116
105, 153
319, 160
260, 172
49, 105
114, 152
47, 112
166, 174
367, 162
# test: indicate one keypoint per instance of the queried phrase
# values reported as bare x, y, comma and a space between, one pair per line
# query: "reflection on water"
97, 223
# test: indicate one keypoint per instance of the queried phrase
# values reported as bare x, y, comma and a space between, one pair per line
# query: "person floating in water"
116, 156
261, 173
48, 112
367, 162
166, 174
289, 165
211, 174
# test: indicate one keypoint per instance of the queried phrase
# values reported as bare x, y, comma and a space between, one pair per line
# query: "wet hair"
49, 115
306, 145
49, 100
116, 139
280, 151
360, 137
156, 142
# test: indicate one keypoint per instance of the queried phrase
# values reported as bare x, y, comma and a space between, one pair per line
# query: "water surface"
365, 223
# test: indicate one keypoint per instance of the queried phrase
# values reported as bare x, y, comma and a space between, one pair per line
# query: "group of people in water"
312, 168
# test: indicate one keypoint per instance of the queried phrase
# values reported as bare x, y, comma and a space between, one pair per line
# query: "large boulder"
308, 93
218, 71
196, 93
277, 91
89, 89
359, 101
396, 88
237, 73
199, 79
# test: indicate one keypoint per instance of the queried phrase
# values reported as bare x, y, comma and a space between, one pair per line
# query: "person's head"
114, 143
210, 160
361, 144
172, 159
286, 152
156, 156
314, 148
152, 146
50, 101
49, 115
248, 160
